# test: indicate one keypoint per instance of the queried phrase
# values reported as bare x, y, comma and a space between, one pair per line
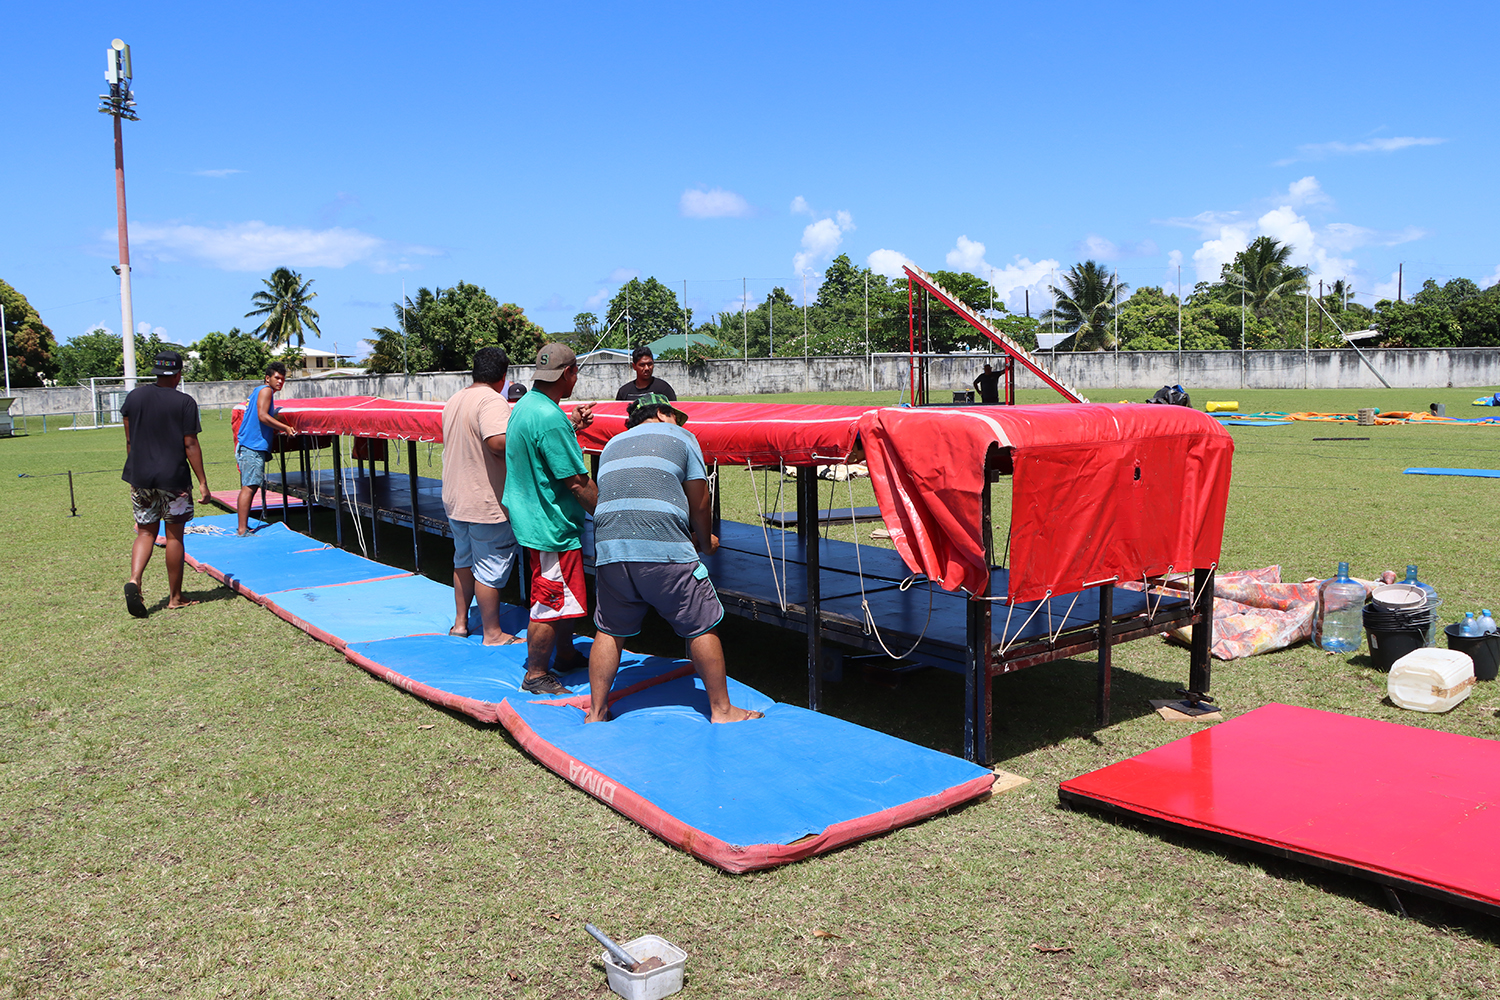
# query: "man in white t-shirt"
484, 546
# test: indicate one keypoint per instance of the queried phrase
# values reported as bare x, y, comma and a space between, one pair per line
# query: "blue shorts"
490, 549
252, 465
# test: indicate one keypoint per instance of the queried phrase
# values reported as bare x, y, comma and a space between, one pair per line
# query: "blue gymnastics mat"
749, 794
1480, 473
382, 609
466, 675
274, 558
741, 796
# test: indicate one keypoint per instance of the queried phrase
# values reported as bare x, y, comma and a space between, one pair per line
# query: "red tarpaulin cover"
1100, 491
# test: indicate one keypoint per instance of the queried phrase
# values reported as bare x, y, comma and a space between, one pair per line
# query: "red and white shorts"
557, 587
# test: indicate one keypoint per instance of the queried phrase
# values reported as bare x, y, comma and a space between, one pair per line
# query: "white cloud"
1493, 279
820, 239
800, 206
1322, 150
713, 204
620, 275
1307, 191
1010, 282
888, 263
255, 246
98, 326
224, 172
145, 329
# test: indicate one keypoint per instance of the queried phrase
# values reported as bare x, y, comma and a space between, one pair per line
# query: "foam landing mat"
742, 796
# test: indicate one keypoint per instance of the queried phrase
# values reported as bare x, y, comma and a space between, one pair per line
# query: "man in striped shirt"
652, 521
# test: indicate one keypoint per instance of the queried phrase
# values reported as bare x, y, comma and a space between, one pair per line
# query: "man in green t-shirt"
547, 491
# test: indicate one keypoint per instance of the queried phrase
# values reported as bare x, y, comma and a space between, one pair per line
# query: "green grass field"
208, 803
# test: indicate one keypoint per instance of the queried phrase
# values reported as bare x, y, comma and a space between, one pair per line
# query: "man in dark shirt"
988, 384
161, 441
644, 364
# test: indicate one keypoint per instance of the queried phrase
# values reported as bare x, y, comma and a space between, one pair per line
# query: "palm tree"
284, 306
1262, 272
1086, 305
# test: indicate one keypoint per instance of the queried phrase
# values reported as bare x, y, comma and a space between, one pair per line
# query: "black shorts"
680, 592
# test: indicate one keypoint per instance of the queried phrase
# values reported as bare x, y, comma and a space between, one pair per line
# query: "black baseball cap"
167, 363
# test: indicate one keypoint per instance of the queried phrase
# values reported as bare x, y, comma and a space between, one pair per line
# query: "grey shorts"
252, 465
681, 593
490, 549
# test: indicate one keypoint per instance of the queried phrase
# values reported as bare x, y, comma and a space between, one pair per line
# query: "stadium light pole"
120, 104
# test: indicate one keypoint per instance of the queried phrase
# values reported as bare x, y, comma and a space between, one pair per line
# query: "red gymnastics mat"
1409, 808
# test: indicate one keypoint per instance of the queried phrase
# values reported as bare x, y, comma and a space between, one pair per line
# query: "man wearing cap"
547, 491
644, 363
161, 442
652, 521
475, 420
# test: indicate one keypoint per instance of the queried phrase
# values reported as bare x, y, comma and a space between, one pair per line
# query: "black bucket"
1392, 634
1484, 650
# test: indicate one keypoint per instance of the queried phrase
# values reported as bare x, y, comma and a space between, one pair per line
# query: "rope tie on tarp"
870, 627
760, 510
1046, 602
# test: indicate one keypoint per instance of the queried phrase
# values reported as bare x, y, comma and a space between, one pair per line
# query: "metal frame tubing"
369, 467
411, 474
1106, 649
284, 505
1200, 669
311, 493
338, 493
807, 530
978, 704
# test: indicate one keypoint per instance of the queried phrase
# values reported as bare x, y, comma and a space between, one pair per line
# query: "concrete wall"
1089, 373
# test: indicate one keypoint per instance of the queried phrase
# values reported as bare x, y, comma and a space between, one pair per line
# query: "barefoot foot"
736, 714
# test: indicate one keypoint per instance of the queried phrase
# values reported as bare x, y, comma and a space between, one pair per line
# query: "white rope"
1199, 595
1051, 636
864, 602
760, 510
359, 529
1046, 602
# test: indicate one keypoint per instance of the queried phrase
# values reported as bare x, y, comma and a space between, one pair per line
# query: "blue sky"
549, 153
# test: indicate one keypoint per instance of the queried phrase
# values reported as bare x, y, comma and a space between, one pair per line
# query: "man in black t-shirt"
644, 364
988, 384
161, 442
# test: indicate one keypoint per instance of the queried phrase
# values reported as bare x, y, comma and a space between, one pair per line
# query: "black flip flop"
133, 602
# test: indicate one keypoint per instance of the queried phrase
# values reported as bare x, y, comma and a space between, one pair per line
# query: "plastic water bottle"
1469, 628
1432, 603
1486, 622
1339, 626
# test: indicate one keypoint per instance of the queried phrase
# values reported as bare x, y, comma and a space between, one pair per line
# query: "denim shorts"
252, 465
490, 549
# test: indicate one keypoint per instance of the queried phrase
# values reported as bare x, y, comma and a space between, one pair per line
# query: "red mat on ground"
1410, 808
228, 498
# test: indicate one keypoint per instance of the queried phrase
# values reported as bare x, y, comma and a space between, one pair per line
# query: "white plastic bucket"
1431, 679
653, 985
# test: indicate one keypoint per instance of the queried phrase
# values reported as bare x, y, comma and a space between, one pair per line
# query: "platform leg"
1106, 649
411, 473
338, 494
369, 468
1200, 670
307, 486
285, 507
807, 527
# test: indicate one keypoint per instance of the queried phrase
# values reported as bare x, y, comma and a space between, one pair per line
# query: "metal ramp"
978, 322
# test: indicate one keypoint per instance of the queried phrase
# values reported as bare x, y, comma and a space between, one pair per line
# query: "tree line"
1261, 301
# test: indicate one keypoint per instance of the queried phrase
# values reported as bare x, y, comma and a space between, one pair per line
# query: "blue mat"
1481, 473
274, 558
771, 781
384, 609
741, 796
485, 675
1240, 422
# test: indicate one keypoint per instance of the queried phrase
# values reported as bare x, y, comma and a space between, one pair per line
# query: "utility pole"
1400, 268
5, 349
744, 313
120, 103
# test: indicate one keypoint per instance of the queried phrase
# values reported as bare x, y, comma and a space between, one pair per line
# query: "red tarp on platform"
1100, 491
1404, 804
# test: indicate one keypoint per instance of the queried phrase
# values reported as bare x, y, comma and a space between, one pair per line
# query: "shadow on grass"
1429, 910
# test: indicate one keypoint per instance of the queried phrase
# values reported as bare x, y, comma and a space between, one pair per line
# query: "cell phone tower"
120, 103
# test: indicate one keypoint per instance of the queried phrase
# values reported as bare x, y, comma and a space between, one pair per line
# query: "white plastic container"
657, 983
1431, 679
